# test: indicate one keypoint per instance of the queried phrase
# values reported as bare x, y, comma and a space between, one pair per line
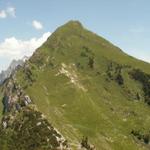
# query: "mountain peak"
75, 23
72, 38
70, 26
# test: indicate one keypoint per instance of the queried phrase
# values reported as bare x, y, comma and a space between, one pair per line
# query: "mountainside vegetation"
86, 88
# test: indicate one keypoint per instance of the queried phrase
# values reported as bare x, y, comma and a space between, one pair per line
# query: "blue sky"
24, 25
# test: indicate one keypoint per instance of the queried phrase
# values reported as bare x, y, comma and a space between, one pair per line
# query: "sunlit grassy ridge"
83, 84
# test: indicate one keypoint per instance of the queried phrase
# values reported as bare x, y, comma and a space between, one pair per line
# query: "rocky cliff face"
23, 127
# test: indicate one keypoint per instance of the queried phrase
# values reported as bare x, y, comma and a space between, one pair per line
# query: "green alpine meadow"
77, 91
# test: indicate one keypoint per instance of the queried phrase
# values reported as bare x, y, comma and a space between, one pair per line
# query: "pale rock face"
4, 124
39, 123
71, 73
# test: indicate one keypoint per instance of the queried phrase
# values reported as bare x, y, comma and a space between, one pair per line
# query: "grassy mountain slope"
86, 86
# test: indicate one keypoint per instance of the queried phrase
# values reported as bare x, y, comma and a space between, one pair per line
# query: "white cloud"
11, 11
37, 25
13, 48
8, 12
3, 14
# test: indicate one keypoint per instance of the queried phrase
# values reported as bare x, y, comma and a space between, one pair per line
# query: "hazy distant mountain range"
13, 65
